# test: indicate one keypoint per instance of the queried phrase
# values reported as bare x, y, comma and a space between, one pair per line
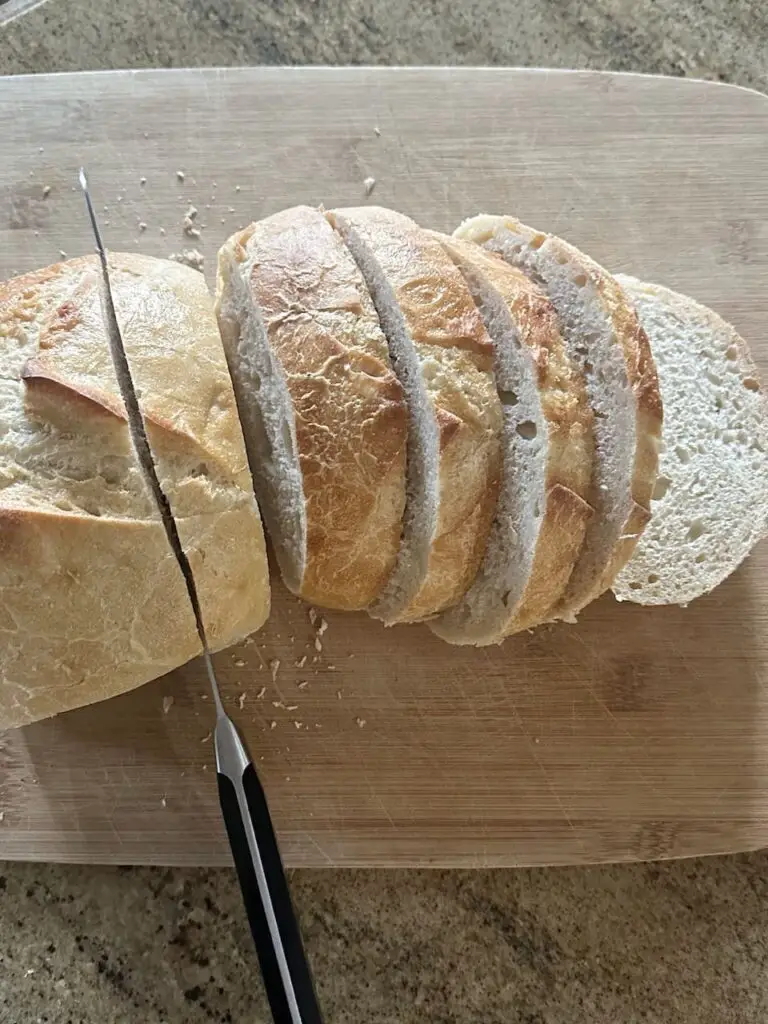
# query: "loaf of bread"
92, 602
458, 430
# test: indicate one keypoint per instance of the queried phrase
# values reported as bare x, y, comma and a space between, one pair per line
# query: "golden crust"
76, 522
449, 336
349, 409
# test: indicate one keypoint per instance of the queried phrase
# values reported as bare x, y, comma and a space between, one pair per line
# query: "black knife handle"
299, 1006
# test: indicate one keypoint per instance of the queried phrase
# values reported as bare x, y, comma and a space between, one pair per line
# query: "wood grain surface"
638, 733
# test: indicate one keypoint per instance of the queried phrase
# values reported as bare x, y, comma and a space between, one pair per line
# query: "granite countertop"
684, 942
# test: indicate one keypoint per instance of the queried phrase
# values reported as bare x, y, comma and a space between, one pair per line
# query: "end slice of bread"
542, 513
604, 339
444, 359
323, 413
710, 504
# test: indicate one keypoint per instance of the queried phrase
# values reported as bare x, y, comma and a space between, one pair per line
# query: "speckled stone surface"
683, 942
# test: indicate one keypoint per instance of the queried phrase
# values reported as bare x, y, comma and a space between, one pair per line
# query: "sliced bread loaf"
323, 413
710, 505
604, 339
444, 359
542, 512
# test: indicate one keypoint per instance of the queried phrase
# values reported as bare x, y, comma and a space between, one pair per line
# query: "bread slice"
542, 514
92, 602
444, 359
604, 339
710, 505
323, 413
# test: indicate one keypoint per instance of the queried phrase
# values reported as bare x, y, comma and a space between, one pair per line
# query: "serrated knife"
267, 899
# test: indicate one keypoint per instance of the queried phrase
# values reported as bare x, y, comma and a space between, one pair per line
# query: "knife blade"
266, 896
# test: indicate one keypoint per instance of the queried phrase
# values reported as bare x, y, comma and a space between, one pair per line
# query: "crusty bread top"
597, 568
710, 505
350, 415
456, 359
78, 525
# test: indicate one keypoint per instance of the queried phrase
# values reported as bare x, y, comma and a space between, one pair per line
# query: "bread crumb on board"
46, 191
370, 185
260, 694
241, 701
167, 704
274, 668
360, 722
190, 258
238, 662
180, 175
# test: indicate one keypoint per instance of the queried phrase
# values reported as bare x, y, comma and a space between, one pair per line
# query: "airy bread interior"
710, 505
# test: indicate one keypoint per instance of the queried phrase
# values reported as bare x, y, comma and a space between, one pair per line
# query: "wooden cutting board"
637, 733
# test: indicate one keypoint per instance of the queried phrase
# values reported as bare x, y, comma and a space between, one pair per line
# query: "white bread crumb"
189, 257
167, 704
370, 185
241, 701
260, 694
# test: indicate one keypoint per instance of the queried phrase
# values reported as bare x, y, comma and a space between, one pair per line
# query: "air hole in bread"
508, 398
538, 241
561, 257
718, 403
713, 377
634, 585
683, 455
65, 506
95, 512
537, 510
580, 280
751, 384
695, 530
527, 430
200, 470
661, 488
732, 352
653, 578
701, 557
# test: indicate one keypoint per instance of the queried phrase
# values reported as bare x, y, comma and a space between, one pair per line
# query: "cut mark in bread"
607, 344
539, 523
266, 411
422, 463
